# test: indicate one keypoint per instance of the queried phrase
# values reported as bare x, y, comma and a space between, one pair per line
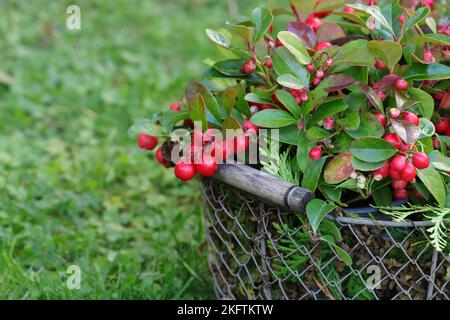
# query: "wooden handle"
265, 186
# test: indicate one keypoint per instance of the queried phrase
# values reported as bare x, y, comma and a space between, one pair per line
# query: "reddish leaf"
387, 82
445, 103
329, 31
337, 81
304, 32
339, 168
408, 132
372, 96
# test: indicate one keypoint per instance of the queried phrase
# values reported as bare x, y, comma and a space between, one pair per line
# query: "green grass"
74, 188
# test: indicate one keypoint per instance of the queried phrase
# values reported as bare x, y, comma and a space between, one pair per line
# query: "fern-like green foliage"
439, 232
282, 166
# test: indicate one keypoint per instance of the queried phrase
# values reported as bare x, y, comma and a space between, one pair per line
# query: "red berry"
421, 160
147, 142
442, 126
406, 147
160, 158
310, 67
436, 143
269, 63
314, 22
382, 118
315, 153
379, 64
188, 123
401, 84
329, 62
401, 194
447, 133
428, 56
241, 143
428, 3
401, 18
394, 113
323, 45
381, 95
394, 140
320, 74
399, 184
329, 123
349, 10
249, 67
208, 166
398, 163
175, 107
383, 171
278, 43
395, 175
249, 127
409, 173
316, 81
411, 118
304, 96
185, 171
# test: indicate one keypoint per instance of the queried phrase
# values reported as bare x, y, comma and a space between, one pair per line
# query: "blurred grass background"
74, 188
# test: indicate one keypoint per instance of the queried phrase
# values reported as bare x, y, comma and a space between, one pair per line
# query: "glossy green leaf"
372, 149
374, 11
390, 52
148, 127
426, 105
439, 161
341, 253
350, 121
418, 18
230, 123
314, 170
273, 118
232, 67
229, 99
327, 110
438, 39
355, 53
255, 98
241, 104
289, 102
369, 127
433, 71
303, 148
197, 110
316, 134
366, 166
209, 100
434, 183
330, 228
382, 196
262, 18
218, 38
316, 211
284, 63
295, 46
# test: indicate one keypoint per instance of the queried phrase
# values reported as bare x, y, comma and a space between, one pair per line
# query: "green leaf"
339, 168
229, 99
289, 81
431, 23
209, 100
432, 71
273, 118
316, 134
372, 149
329, 227
303, 148
316, 97
295, 46
197, 110
316, 211
327, 110
218, 38
434, 183
314, 170
439, 161
230, 123
438, 39
241, 103
420, 16
350, 121
389, 52
284, 63
355, 53
231, 68
171, 118
369, 127
148, 127
375, 13
342, 254
366, 166
262, 18
289, 102
382, 196
336, 81
427, 129
256, 98
426, 106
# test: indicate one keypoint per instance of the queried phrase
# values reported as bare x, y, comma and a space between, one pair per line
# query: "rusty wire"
257, 251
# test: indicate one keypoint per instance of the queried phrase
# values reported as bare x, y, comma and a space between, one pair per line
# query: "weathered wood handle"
265, 186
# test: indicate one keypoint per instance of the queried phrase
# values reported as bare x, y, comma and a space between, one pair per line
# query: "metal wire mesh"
257, 251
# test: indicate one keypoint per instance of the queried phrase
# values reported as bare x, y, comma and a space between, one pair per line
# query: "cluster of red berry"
204, 153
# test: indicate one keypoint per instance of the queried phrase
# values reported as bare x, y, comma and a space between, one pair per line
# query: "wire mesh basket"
263, 251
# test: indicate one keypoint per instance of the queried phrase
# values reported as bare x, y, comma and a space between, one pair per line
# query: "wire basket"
262, 251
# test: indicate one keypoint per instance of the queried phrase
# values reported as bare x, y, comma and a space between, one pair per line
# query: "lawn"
74, 188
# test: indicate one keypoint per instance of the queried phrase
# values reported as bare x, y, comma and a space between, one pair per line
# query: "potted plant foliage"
359, 95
